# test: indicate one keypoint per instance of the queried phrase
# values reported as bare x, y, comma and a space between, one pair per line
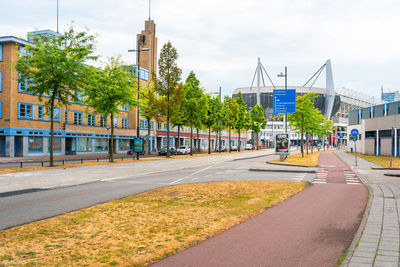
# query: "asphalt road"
43, 194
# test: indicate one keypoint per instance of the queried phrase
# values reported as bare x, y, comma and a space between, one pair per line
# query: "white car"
248, 147
183, 150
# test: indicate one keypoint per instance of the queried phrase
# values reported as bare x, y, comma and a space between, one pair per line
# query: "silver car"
183, 150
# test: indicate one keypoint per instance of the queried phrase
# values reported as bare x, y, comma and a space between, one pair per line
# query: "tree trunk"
52, 131
209, 140
302, 143
198, 140
191, 139
179, 135
308, 141
168, 135
229, 140
112, 139
148, 137
239, 142
257, 140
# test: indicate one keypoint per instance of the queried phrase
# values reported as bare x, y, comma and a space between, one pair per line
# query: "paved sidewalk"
377, 242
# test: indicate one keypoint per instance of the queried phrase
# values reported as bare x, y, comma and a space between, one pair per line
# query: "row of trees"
309, 121
57, 74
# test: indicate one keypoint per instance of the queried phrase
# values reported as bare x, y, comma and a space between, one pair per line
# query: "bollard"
21, 164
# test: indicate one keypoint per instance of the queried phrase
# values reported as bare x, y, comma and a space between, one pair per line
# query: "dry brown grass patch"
143, 228
310, 160
383, 161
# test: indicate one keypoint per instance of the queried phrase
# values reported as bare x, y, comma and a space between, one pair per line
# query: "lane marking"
196, 172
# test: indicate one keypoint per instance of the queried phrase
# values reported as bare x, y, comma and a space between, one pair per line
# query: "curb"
290, 165
379, 169
357, 237
392, 174
283, 170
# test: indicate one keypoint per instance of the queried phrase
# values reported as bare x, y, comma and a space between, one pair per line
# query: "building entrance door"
18, 146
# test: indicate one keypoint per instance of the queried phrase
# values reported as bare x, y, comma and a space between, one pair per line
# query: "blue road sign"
354, 132
285, 101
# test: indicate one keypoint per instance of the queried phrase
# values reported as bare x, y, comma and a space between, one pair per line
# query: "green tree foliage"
148, 107
54, 67
213, 118
258, 120
231, 111
304, 119
168, 88
194, 105
241, 119
109, 89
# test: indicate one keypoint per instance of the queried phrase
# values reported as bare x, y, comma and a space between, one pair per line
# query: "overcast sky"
220, 40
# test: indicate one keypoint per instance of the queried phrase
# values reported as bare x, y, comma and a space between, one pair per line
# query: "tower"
148, 60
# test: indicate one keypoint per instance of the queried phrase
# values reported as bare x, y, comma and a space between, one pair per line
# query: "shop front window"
35, 144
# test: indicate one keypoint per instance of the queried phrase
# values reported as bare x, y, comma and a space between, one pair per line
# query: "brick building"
25, 126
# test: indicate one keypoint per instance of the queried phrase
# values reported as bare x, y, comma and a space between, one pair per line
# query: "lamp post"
141, 41
284, 75
252, 126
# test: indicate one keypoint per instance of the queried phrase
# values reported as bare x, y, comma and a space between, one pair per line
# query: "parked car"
221, 149
248, 147
163, 151
234, 148
183, 150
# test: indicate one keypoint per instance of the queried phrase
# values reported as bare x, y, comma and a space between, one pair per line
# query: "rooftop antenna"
57, 16
149, 8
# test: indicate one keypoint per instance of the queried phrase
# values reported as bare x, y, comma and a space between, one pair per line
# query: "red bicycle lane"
310, 229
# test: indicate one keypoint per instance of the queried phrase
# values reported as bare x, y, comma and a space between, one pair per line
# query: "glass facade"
35, 144
83, 144
123, 144
101, 144
56, 144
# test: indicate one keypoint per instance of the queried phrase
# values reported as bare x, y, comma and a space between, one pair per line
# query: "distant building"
390, 96
375, 129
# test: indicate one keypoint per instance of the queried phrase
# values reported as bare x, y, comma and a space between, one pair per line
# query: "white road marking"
196, 172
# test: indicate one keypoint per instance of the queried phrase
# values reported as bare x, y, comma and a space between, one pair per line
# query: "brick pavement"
377, 243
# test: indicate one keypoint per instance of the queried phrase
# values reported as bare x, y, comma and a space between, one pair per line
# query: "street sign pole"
355, 133
355, 148
392, 148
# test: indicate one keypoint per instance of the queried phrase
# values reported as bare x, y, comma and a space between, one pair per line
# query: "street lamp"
284, 75
141, 41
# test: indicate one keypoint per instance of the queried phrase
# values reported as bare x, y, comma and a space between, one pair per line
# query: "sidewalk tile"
388, 253
357, 264
387, 258
362, 260
385, 264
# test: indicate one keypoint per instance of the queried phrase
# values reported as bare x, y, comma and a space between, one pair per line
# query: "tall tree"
168, 87
304, 116
241, 119
108, 90
258, 119
213, 118
231, 108
149, 107
54, 67
193, 104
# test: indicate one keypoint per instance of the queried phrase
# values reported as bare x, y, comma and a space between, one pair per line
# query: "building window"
66, 116
23, 85
78, 118
56, 114
103, 121
83, 144
101, 144
125, 107
165, 126
159, 125
79, 97
56, 144
40, 112
1, 52
25, 111
1, 81
115, 122
123, 144
35, 144
372, 112
1, 109
152, 125
124, 123
91, 120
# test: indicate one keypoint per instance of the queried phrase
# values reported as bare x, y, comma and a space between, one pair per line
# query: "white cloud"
220, 40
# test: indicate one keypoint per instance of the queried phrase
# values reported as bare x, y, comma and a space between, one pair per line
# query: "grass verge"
343, 257
310, 160
383, 161
143, 228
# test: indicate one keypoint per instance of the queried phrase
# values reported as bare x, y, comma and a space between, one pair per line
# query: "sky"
220, 40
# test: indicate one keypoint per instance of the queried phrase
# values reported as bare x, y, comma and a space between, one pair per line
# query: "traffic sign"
282, 143
284, 101
354, 132
354, 138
